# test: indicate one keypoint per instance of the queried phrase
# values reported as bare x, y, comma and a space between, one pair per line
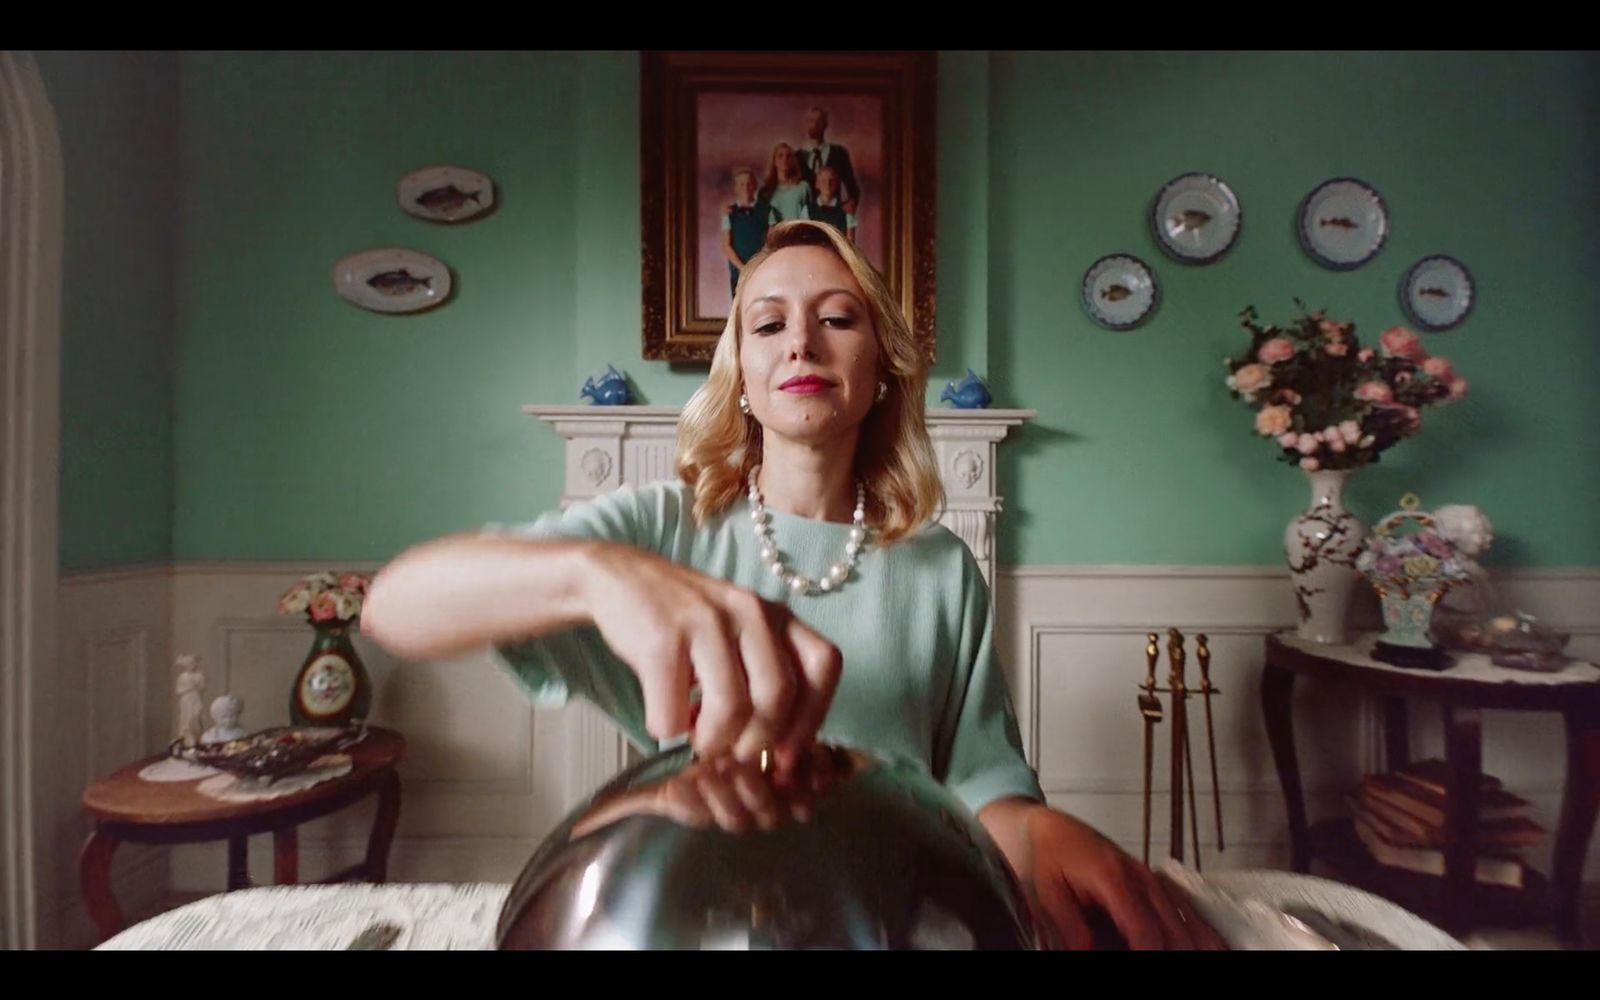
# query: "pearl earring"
883, 390
744, 404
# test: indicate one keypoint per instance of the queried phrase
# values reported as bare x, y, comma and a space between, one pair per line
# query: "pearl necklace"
837, 574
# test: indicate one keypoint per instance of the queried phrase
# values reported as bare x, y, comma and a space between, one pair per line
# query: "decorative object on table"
1343, 223
1517, 641
241, 788
169, 769
332, 687
1400, 817
225, 712
272, 753
1181, 768
969, 394
392, 280
610, 389
863, 853
1437, 293
1120, 291
445, 194
191, 691
1332, 406
1196, 218
1410, 570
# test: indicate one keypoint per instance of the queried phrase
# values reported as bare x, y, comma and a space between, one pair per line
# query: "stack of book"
1400, 817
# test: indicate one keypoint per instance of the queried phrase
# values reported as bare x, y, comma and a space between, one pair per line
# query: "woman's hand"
1073, 875
735, 796
765, 679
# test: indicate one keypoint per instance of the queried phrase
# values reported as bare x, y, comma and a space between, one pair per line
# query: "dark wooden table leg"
1277, 690
1580, 801
94, 879
1396, 734
1463, 734
238, 863
286, 855
383, 827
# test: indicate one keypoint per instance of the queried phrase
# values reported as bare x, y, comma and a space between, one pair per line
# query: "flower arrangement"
1327, 401
1401, 562
327, 597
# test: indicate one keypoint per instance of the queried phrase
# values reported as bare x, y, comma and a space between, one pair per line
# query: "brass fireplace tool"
1182, 760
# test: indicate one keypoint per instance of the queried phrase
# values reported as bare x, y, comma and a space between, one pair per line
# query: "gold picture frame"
860, 132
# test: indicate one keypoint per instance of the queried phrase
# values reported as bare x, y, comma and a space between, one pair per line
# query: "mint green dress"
920, 683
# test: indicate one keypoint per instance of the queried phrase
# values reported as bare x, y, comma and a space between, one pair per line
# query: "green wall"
1138, 454
306, 428
117, 116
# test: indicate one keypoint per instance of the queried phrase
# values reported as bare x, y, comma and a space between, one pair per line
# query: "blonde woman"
793, 572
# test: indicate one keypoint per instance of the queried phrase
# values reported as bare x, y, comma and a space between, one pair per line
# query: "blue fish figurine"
611, 390
969, 394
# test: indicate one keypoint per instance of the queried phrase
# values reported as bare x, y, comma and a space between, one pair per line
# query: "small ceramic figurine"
968, 394
191, 700
611, 390
225, 712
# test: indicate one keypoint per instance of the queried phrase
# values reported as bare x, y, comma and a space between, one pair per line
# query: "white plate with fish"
392, 280
1437, 292
1196, 218
1120, 291
445, 194
1343, 223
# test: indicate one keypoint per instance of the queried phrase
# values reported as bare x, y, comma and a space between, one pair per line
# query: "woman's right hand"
765, 678
726, 793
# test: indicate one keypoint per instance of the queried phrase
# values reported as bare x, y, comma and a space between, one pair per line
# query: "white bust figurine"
225, 726
191, 700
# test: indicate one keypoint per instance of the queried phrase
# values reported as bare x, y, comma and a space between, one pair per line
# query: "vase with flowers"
1332, 406
332, 687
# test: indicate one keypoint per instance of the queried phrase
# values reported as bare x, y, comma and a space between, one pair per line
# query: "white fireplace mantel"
613, 446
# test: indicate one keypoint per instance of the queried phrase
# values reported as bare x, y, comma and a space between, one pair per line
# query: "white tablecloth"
434, 917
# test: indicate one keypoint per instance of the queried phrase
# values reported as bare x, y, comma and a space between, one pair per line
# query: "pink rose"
1439, 368
324, 607
1374, 392
355, 583
1288, 438
1364, 355
1275, 350
1310, 464
1458, 388
1307, 444
1332, 329
1398, 342
1252, 378
1336, 348
1336, 445
1351, 431
1272, 421
1288, 396
1410, 416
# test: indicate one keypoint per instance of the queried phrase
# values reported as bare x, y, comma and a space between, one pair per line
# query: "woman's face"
783, 160
807, 348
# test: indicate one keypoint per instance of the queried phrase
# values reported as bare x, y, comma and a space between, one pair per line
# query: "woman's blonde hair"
718, 445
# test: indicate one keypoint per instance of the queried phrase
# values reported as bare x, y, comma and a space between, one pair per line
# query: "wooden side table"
127, 808
1458, 901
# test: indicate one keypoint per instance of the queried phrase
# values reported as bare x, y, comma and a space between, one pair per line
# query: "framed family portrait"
732, 143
